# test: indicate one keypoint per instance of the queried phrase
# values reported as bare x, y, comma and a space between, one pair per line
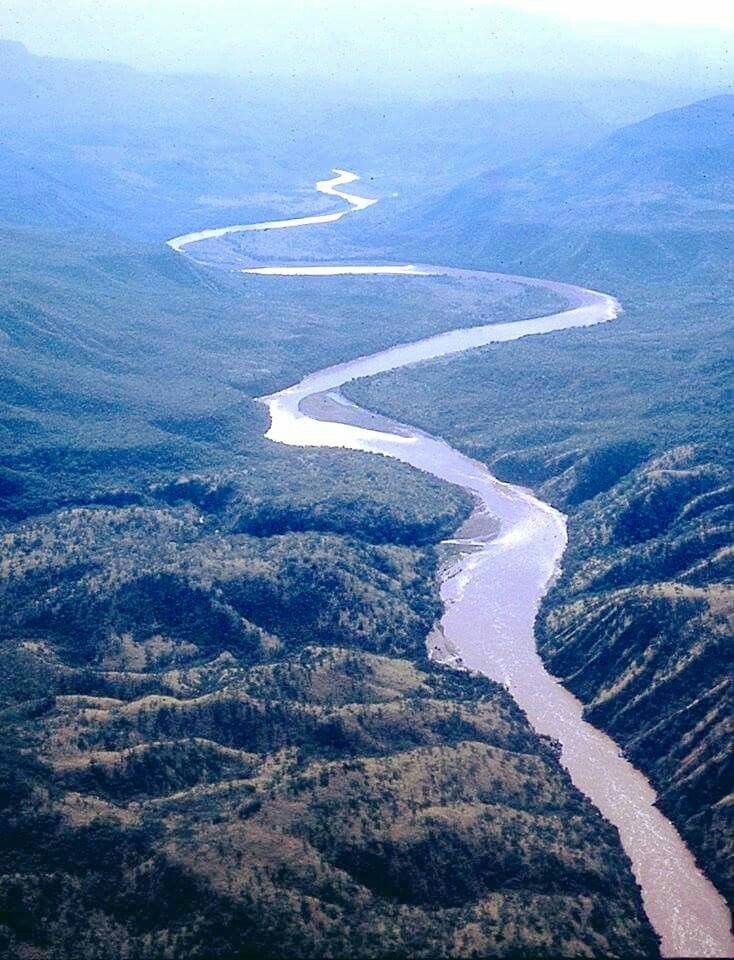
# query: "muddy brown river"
499, 572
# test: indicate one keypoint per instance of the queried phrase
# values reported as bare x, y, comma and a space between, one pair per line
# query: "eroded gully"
500, 571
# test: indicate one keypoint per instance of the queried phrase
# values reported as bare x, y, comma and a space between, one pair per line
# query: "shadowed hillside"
219, 723
625, 427
649, 202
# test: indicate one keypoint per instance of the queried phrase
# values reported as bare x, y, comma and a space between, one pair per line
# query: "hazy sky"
411, 43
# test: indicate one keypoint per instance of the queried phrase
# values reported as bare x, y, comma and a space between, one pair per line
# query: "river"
500, 571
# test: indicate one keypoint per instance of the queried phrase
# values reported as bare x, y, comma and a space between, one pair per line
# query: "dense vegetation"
626, 428
639, 625
208, 708
221, 733
125, 364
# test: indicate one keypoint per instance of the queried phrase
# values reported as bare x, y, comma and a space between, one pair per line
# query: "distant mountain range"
678, 163
170, 153
655, 193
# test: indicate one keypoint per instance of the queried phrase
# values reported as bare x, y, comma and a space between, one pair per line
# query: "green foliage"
624, 427
222, 727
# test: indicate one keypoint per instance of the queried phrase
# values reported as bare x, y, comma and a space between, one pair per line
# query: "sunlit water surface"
492, 588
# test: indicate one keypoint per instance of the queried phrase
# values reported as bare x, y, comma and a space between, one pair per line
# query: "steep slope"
625, 428
639, 624
640, 627
652, 197
221, 734
670, 169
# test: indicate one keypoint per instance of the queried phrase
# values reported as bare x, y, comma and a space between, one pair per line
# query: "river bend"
500, 571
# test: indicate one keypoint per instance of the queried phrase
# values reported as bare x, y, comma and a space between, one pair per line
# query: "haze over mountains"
221, 729
174, 152
655, 192
673, 168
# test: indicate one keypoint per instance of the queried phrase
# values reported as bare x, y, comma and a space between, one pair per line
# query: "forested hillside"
221, 733
627, 429
251, 725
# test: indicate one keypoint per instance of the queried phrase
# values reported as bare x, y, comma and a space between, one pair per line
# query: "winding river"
504, 560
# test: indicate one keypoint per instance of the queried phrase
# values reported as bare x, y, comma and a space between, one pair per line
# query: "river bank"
491, 592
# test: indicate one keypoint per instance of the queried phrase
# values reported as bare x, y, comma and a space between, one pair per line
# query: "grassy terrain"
221, 734
625, 427
639, 624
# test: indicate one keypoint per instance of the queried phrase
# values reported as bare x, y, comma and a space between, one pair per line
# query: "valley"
365, 580
492, 593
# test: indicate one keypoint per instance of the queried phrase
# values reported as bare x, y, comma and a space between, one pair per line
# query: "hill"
661, 171
625, 428
652, 196
220, 725
172, 153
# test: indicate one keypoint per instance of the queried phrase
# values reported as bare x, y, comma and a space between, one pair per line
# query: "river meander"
493, 585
